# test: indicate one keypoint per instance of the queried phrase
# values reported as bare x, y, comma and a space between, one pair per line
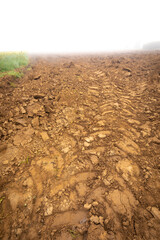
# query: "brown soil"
80, 149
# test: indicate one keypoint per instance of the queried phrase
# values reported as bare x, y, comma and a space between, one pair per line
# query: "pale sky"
74, 26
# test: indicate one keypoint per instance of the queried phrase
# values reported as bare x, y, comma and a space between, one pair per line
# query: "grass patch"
9, 61
11, 73
12, 60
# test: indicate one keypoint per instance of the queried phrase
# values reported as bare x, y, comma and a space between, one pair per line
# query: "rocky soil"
80, 149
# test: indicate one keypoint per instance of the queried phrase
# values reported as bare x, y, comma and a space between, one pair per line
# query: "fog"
75, 26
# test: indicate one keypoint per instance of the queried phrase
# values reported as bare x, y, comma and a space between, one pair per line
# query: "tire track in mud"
93, 142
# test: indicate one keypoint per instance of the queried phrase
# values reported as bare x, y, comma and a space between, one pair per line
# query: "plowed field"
80, 149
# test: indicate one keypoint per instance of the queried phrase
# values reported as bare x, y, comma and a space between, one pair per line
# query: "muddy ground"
80, 149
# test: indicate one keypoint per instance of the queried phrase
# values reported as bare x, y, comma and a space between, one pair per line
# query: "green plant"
26, 161
12, 60
12, 84
29, 69
1, 199
73, 233
12, 73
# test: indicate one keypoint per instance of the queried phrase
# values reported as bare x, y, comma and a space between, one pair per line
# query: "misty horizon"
78, 27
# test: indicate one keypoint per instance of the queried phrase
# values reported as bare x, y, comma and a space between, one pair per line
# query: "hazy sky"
61, 26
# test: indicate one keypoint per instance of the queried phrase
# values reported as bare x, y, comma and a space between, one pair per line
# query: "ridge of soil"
80, 149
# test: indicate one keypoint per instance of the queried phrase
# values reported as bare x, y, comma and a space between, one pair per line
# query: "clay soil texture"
80, 149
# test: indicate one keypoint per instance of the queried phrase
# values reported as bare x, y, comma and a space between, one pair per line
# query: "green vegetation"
1, 199
29, 68
10, 61
26, 161
11, 73
12, 84
73, 233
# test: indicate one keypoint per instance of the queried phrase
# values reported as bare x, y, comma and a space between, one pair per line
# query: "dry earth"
80, 149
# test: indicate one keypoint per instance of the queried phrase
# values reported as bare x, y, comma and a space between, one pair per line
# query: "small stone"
150, 224
28, 182
128, 74
127, 69
10, 131
5, 162
146, 176
94, 159
101, 123
106, 221
86, 144
154, 140
53, 232
16, 109
94, 219
11, 119
18, 231
35, 108
101, 220
133, 121
35, 122
21, 122
116, 105
3, 147
39, 96
101, 135
37, 77
126, 223
23, 111
110, 179
156, 213
87, 206
94, 204
44, 136
81, 229
104, 173
59, 193
50, 97
66, 149
48, 211
106, 182
89, 139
